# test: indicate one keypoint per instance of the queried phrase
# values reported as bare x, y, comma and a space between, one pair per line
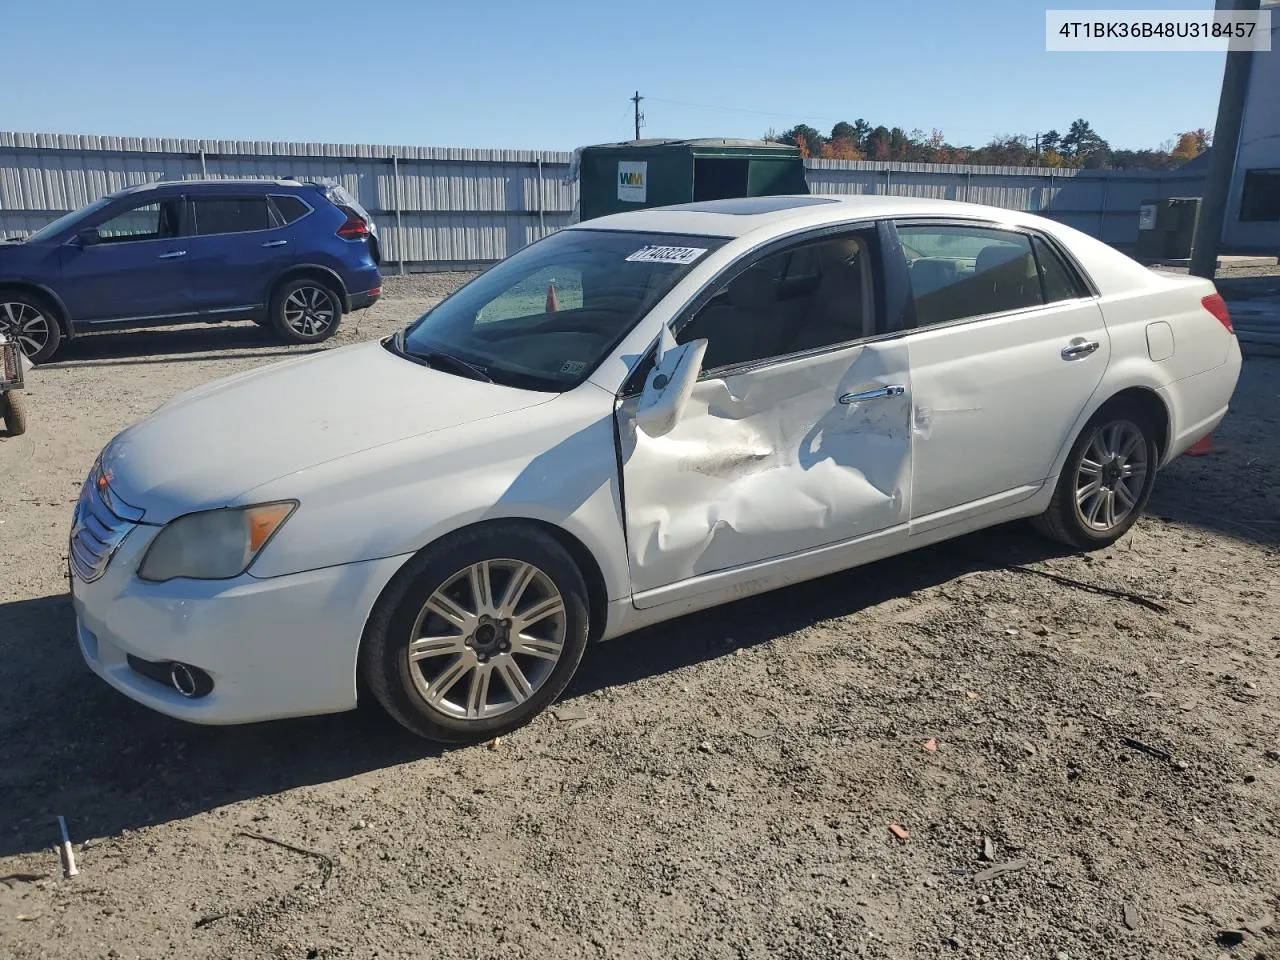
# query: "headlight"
215, 544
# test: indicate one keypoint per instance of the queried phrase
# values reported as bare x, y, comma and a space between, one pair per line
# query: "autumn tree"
1190, 145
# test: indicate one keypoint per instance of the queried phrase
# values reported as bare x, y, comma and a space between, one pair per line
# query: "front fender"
554, 463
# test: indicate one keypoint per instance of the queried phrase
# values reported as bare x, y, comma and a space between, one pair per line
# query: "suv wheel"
29, 320
305, 311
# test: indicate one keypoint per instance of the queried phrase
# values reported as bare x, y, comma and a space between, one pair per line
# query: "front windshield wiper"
440, 360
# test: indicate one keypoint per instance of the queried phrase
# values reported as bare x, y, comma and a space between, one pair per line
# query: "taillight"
1218, 307
354, 228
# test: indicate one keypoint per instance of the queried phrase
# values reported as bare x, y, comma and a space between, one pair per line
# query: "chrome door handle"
1079, 347
895, 390
275, 243
175, 253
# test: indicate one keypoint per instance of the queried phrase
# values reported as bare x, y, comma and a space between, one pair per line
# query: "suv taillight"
355, 226
1218, 307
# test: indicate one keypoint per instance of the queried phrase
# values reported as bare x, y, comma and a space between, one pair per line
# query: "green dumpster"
616, 177
1166, 228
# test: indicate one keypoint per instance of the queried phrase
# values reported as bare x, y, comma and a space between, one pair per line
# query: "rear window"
289, 208
230, 214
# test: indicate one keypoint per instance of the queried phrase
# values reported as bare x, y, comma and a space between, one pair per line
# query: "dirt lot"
720, 787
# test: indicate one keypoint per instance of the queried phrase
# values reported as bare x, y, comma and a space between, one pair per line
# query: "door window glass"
230, 214
817, 294
289, 208
1058, 282
152, 221
963, 271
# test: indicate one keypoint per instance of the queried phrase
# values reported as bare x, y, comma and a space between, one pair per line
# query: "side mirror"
87, 236
668, 388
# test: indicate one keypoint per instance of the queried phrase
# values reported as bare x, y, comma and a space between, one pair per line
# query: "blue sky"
556, 74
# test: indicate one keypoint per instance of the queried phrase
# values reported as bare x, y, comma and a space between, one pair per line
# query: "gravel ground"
725, 786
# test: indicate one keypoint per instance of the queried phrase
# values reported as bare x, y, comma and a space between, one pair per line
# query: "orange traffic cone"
1203, 447
553, 303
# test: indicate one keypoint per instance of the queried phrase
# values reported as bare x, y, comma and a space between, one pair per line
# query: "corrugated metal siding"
1103, 203
473, 206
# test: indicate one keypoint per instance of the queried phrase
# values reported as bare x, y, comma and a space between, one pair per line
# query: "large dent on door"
768, 463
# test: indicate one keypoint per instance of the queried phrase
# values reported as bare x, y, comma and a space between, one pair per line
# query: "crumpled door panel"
767, 463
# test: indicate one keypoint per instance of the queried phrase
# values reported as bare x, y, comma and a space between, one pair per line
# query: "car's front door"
796, 434
237, 247
135, 269
1007, 348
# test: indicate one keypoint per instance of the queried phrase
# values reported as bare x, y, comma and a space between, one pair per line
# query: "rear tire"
305, 310
1105, 482
477, 634
32, 322
13, 410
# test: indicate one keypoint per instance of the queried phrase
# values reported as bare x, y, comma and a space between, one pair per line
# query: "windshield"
67, 219
546, 317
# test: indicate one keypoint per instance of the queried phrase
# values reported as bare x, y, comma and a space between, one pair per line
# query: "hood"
209, 446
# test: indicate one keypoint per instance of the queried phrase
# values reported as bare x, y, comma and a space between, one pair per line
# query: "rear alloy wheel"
477, 634
32, 324
1106, 482
306, 311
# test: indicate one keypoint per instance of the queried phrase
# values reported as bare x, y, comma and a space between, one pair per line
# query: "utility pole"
1222, 155
639, 116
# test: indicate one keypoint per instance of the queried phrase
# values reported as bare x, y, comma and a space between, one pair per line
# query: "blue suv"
289, 255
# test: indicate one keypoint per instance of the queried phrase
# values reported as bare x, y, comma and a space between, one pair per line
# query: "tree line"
1080, 146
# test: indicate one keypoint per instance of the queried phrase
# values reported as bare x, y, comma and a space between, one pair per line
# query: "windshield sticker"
680, 255
573, 367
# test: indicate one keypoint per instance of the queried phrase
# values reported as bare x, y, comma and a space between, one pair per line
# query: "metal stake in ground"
68, 858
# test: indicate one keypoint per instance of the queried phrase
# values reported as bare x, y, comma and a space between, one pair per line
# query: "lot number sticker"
632, 179
680, 255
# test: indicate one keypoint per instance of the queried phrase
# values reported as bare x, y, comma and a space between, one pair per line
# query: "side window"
549, 290
963, 271
151, 221
289, 208
230, 214
816, 294
1058, 282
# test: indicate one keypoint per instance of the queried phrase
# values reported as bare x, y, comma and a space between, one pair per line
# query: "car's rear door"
137, 270
238, 242
1008, 345
796, 435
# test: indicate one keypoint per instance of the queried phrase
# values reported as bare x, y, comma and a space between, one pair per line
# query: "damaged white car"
637, 417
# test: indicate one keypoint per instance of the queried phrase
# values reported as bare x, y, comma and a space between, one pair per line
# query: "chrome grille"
101, 523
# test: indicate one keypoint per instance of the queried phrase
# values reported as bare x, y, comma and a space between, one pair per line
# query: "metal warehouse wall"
442, 208
1101, 203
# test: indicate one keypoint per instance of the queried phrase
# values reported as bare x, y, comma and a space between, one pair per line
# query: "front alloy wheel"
487, 639
478, 633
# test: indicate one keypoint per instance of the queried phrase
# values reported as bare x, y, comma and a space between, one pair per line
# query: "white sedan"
640, 416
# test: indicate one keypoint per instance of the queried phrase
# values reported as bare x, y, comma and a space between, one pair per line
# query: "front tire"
1106, 481
13, 410
305, 311
477, 634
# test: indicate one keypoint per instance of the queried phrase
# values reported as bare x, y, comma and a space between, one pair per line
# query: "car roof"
782, 214
225, 183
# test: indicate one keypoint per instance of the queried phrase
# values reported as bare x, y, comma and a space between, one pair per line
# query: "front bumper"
279, 647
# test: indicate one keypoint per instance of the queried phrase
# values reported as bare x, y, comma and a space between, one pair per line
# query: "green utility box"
1166, 228
616, 177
